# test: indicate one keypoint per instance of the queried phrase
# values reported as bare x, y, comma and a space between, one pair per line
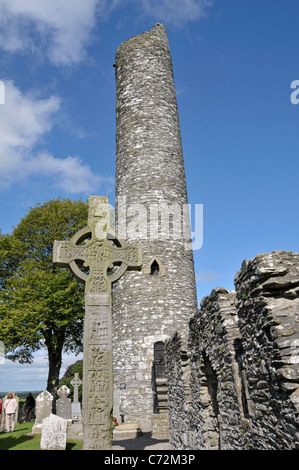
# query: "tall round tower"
151, 212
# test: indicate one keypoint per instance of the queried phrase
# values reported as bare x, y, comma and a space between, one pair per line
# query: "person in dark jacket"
29, 405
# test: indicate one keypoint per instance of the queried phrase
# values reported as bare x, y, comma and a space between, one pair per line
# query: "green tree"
41, 306
69, 376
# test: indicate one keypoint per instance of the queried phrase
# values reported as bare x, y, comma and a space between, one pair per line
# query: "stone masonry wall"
215, 415
150, 174
179, 396
244, 363
268, 306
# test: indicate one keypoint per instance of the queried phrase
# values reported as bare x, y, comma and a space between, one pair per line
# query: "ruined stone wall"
215, 416
267, 290
179, 393
244, 363
149, 175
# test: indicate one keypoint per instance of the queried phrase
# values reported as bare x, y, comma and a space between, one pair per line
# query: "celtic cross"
106, 258
76, 382
100, 252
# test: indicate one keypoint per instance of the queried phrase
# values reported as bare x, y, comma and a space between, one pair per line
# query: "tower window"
155, 268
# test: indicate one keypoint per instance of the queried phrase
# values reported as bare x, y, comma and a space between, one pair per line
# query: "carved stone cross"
76, 382
107, 258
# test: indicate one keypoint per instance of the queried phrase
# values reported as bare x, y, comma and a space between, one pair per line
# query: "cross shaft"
97, 248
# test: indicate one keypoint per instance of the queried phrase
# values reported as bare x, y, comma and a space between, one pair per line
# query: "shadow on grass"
73, 446
18, 439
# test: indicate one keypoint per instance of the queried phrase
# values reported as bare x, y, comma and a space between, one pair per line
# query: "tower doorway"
159, 379
159, 360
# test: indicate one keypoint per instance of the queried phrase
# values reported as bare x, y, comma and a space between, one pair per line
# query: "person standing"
29, 405
10, 407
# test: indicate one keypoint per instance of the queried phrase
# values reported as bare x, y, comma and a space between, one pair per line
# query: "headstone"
43, 409
54, 430
107, 258
64, 404
76, 406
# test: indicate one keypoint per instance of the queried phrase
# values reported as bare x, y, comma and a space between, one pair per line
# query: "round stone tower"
151, 212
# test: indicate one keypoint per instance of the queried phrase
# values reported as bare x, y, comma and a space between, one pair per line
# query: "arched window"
155, 268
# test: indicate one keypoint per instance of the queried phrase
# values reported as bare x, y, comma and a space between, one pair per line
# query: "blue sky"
234, 62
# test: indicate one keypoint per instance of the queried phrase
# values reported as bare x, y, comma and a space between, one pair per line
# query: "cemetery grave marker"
76, 406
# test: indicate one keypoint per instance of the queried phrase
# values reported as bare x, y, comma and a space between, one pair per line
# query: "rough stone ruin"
235, 383
150, 304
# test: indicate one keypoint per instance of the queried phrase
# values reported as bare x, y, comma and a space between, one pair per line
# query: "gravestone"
53, 436
64, 404
107, 258
43, 409
76, 406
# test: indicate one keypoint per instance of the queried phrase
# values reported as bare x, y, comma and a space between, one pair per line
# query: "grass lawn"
18, 440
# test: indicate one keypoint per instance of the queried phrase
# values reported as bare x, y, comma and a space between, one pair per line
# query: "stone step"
160, 419
161, 389
160, 426
161, 395
161, 381
162, 401
160, 433
126, 431
163, 411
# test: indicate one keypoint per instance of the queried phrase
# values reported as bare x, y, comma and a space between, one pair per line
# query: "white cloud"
207, 276
62, 27
68, 173
31, 377
175, 12
24, 120
25, 377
